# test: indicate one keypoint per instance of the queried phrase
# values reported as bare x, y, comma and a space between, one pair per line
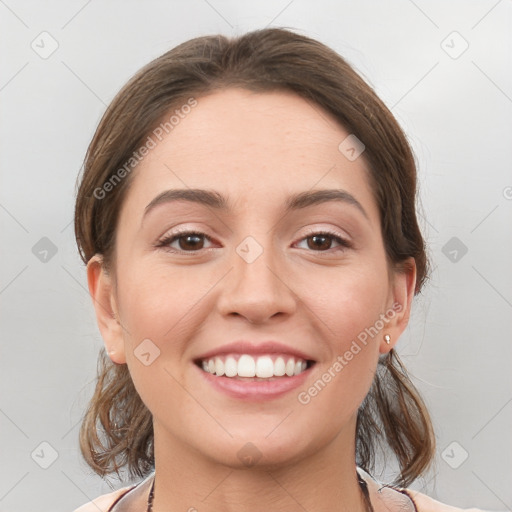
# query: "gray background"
455, 105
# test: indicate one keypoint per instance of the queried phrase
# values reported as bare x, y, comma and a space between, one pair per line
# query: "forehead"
251, 146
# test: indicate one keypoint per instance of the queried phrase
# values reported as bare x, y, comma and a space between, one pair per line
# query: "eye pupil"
193, 245
322, 245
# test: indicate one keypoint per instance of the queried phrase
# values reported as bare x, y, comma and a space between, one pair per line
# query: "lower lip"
256, 390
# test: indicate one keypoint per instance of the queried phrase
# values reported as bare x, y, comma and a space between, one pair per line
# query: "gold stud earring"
387, 338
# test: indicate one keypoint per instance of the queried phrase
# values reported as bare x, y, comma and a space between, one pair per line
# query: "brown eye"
320, 242
323, 242
188, 241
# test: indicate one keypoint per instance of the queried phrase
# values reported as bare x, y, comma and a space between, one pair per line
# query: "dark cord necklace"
151, 496
362, 484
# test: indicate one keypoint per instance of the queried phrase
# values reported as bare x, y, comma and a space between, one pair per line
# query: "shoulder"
386, 498
104, 502
425, 503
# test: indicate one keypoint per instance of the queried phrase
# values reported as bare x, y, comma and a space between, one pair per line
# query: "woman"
247, 217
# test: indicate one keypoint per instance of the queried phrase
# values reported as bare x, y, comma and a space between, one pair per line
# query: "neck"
325, 480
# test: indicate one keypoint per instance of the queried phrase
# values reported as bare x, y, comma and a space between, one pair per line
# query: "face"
216, 300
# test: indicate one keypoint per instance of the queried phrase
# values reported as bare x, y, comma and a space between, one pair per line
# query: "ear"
402, 288
102, 293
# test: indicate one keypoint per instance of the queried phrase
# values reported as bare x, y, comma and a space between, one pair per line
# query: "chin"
252, 449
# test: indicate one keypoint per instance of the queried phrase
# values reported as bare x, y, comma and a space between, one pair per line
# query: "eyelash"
167, 240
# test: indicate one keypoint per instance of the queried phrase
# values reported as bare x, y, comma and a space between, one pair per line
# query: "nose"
258, 289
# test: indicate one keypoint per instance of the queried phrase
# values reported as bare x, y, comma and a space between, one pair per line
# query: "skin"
257, 149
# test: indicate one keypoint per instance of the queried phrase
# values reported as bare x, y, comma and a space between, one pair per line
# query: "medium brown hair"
117, 427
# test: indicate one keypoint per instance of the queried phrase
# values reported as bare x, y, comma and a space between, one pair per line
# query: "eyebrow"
217, 201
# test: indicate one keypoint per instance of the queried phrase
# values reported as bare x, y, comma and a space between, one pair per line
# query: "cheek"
344, 379
350, 306
158, 302
157, 308
349, 300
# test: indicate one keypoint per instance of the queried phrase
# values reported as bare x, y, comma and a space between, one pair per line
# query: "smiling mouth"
247, 367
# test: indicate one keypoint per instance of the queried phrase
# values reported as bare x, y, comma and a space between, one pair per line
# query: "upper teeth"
248, 366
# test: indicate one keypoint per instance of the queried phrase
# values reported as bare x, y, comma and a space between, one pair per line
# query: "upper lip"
255, 348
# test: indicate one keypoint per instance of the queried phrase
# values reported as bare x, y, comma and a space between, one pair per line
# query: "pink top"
384, 498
